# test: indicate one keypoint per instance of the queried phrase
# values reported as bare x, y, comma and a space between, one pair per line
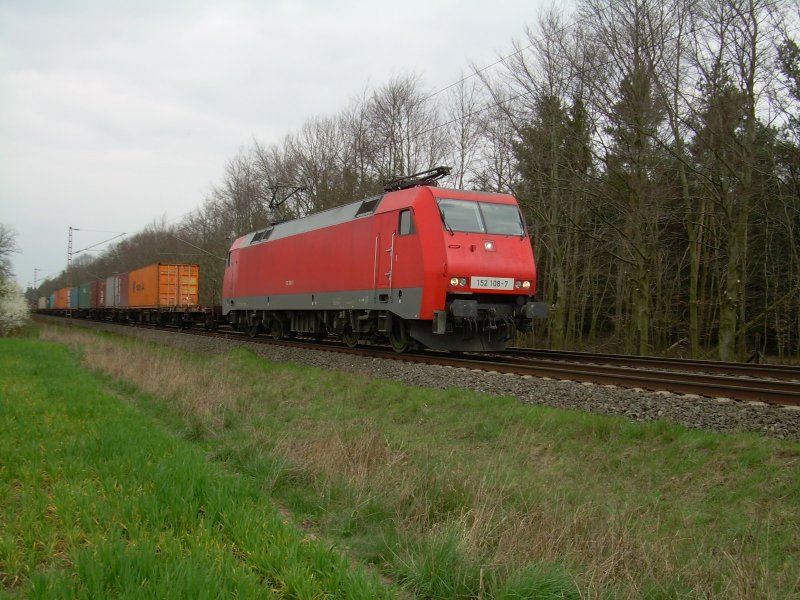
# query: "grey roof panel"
326, 218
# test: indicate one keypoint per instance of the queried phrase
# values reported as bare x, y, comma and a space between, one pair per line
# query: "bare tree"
404, 127
464, 131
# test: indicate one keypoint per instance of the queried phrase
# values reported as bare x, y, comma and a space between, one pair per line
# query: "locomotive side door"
229, 277
384, 257
398, 259
407, 265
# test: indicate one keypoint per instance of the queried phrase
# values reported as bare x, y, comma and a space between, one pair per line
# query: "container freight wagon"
41, 304
163, 285
162, 293
74, 297
51, 301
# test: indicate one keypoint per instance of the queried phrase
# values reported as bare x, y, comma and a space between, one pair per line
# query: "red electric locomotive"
442, 268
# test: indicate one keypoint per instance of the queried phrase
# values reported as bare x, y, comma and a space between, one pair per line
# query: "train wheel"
277, 329
252, 330
398, 338
349, 337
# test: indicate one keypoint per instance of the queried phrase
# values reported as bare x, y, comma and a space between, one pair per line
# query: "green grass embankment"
453, 494
98, 501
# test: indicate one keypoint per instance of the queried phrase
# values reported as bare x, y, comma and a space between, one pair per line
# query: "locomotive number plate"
491, 283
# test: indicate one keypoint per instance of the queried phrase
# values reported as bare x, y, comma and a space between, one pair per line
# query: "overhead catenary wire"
111, 239
580, 72
563, 30
476, 72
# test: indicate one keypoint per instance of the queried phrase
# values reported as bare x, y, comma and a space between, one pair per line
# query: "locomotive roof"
325, 218
358, 209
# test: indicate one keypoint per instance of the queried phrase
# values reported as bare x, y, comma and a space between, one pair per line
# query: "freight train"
159, 294
416, 266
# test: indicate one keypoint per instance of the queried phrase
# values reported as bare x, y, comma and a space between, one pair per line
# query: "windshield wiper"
444, 221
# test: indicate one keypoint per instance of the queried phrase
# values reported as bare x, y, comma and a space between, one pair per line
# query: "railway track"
633, 375
735, 369
703, 379
768, 384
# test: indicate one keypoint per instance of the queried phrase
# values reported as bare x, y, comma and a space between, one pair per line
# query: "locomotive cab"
484, 291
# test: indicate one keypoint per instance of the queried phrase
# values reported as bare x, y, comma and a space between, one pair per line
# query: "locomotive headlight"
518, 284
454, 281
488, 245
526, 284
462, 281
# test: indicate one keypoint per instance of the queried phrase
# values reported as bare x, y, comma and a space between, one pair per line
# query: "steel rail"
761, 390
737, 369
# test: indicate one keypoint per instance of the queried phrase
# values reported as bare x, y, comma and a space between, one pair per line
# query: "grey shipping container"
122, 290
111, 291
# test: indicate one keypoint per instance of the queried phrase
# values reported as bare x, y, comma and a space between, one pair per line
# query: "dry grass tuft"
362, 454
205, 398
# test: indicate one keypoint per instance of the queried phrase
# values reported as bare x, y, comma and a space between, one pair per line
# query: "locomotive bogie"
365, 327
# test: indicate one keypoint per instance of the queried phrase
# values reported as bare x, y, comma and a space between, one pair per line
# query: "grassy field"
449, 494
97, 501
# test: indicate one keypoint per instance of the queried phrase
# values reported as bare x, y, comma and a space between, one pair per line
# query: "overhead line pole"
69, 270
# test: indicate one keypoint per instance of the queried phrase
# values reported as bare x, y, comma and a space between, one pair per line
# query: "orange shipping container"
163, 285
62, 298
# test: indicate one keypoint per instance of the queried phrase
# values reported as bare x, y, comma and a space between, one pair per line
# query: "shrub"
13, 308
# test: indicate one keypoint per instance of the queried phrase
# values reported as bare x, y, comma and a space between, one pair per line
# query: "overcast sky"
114, 114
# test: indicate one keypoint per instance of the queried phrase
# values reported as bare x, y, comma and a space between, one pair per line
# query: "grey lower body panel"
405, 303
465, 323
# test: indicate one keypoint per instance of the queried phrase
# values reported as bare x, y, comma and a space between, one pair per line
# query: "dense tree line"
653, 145
656, 150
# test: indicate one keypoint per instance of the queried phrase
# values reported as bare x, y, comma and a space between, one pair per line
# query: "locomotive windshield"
481, 217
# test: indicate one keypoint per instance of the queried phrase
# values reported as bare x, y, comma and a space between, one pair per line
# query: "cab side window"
407, 222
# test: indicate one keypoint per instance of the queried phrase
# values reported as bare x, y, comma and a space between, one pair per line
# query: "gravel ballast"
690, 411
